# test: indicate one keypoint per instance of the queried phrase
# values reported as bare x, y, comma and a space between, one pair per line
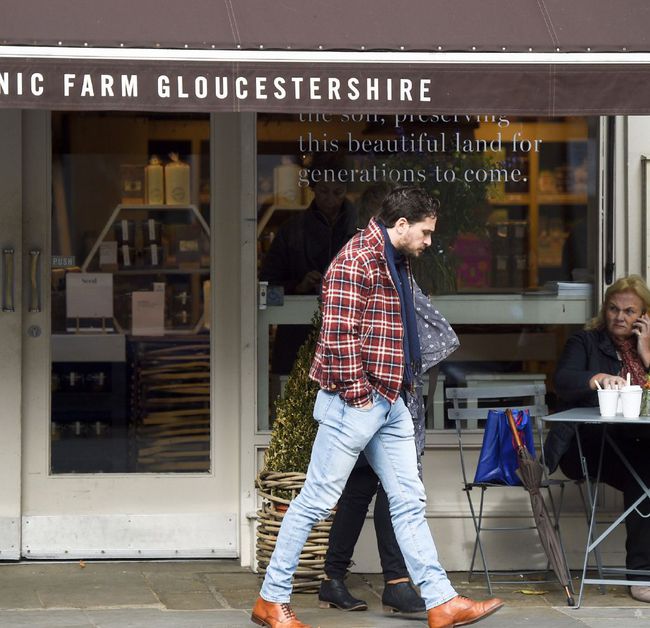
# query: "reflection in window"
517, 217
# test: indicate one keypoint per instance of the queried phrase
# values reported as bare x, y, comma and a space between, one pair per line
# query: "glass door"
121, 457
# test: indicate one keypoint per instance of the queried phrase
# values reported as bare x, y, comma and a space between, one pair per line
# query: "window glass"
511, 262
130, 282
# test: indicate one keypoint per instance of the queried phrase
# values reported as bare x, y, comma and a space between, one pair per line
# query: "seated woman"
613, 344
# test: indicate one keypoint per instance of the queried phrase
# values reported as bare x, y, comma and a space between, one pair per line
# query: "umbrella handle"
513, 427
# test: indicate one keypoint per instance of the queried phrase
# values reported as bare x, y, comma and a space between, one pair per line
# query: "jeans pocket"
323, 404
370, 408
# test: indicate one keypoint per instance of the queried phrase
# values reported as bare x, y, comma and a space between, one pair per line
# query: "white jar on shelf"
177, 181
154, 182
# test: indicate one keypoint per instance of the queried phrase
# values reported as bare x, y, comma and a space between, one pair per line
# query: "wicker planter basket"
310, 570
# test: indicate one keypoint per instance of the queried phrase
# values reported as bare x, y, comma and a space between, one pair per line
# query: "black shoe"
401, 597
335, 593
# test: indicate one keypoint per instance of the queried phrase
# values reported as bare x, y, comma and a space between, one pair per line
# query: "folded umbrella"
531, 472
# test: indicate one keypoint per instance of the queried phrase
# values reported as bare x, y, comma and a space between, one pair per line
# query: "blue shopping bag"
498, 461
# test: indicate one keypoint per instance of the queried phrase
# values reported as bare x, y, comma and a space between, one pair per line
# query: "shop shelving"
169, 269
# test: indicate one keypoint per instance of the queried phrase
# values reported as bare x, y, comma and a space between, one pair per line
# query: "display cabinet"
171, 404
90, 427
150, 248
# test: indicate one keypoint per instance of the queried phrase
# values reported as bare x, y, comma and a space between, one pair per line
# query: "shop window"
129, 292
517, 232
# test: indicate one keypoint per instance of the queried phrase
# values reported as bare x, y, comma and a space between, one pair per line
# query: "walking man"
366, 357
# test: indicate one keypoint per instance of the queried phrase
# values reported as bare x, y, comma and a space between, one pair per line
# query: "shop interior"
130, 288
130, 277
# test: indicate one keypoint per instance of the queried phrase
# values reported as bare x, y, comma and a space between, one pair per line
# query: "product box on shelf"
153, 255
124, 231
185, 243
127, 256
108, 256
132, 184
151, 231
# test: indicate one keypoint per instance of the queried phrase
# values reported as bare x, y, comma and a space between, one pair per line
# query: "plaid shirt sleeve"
345, 293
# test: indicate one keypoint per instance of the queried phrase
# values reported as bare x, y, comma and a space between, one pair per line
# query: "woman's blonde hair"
631, 283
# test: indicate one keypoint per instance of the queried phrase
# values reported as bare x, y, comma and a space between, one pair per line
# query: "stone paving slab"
156, 618
68, 585
135, 618
219, 594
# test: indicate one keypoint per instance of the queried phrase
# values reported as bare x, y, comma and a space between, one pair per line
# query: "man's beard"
408, 252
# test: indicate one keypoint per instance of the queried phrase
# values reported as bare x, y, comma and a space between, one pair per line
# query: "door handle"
34, 281
8, 280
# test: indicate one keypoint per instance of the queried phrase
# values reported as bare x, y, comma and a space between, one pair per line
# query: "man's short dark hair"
412, 203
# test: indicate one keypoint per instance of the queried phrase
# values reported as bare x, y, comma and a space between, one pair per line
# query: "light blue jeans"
385, 433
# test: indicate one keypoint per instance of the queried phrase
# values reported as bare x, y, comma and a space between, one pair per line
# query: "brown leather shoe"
274, 615
460, 611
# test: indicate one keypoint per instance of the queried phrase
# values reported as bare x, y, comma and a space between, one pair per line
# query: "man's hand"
366, 406
310, 283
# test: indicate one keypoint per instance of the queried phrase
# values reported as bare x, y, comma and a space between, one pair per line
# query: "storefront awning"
515, 57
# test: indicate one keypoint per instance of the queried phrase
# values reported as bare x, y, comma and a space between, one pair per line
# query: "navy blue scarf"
399, 272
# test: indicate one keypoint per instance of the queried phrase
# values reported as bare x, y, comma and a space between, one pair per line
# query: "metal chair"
470, 405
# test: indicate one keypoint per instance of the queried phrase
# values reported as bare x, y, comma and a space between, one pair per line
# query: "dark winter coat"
586, 353
437, 341
305, 243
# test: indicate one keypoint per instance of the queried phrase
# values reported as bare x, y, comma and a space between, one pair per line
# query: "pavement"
220, 593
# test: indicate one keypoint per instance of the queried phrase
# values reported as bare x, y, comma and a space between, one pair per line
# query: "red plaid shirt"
360, 345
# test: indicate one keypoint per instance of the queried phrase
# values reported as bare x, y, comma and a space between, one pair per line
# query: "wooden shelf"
562, 199
542, 199
511, 199
163, 271
539, 133
194, 274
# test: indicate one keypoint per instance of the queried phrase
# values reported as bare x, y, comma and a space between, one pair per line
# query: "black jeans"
633, 443
351, 512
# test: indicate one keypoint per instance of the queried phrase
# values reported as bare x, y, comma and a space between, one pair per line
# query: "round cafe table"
578, 416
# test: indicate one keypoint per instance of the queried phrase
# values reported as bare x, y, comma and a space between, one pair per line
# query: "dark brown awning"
393, 56
410, 25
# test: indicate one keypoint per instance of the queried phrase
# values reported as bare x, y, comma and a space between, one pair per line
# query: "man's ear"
401, 225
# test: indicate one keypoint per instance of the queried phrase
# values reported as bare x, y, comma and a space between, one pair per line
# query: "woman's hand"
641, 327
606, 381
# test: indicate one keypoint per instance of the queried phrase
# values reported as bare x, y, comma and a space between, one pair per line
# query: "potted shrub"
285, 467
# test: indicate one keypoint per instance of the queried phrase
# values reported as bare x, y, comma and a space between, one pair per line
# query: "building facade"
144, 179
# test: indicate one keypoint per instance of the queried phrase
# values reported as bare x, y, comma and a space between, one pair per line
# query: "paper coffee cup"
607, 401
631, 401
